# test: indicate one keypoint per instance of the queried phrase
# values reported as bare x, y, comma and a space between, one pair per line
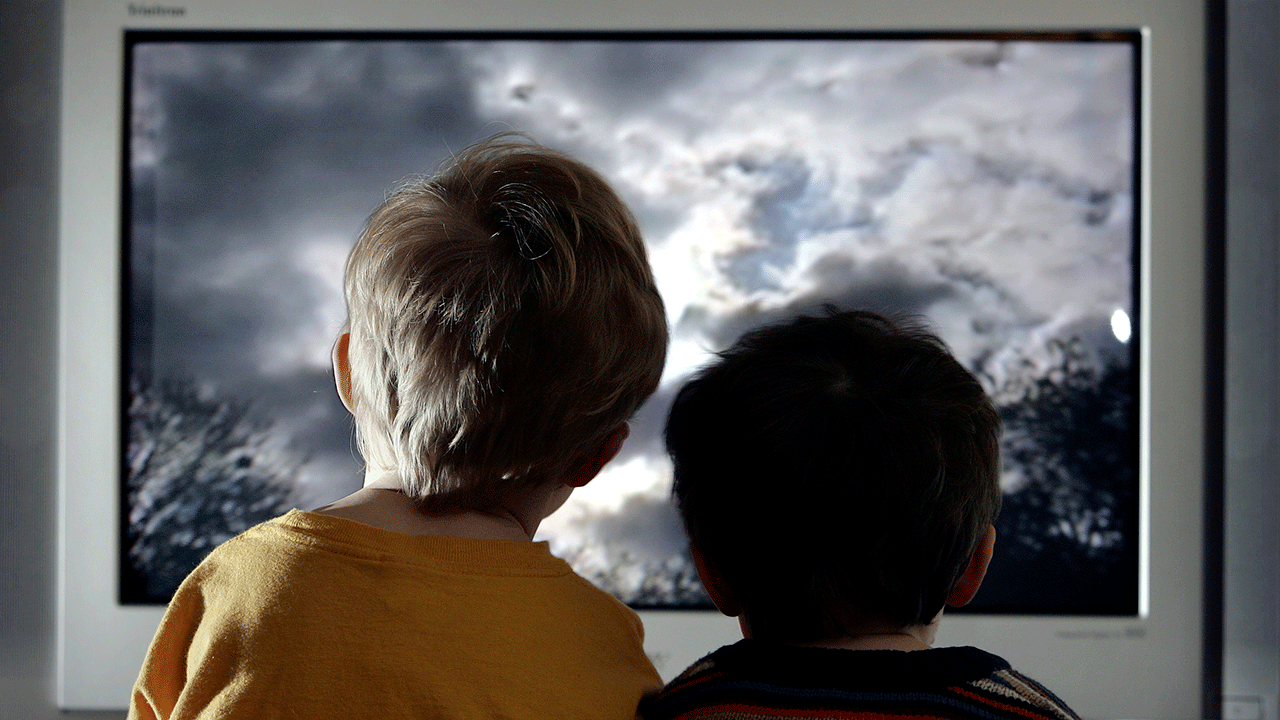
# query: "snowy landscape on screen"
987, 186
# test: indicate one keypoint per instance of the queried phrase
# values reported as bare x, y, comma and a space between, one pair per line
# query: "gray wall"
29, 33
1251, 670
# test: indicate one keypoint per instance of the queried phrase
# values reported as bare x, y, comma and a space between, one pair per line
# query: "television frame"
1143, 666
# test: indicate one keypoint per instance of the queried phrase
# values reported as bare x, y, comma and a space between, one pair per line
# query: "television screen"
986, 182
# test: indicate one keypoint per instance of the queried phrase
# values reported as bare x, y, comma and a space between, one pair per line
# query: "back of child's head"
504, 321
836, 471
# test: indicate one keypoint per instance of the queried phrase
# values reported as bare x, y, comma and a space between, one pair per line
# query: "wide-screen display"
985, 182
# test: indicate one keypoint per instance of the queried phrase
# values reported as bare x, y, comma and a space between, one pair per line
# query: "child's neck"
904, 640
872, 637
381, 504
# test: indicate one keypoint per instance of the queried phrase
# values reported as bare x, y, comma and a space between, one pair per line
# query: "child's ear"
342, 370
607, 451
971, 580
721, 596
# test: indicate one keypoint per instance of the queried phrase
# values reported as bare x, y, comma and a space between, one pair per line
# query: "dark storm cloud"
255, 132
627, 77
883, 286
649, 527
217, 331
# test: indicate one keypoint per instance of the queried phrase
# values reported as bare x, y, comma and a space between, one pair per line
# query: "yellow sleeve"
164, 671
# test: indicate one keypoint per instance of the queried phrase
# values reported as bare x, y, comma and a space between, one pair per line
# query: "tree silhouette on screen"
200, 469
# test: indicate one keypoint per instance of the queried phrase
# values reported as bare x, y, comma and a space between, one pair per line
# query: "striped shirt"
753, 680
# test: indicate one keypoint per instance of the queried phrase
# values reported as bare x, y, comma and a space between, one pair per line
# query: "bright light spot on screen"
1121, 326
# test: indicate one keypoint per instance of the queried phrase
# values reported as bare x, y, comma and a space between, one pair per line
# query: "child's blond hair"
504, 321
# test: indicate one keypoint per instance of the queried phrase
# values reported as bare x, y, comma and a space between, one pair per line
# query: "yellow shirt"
312, 616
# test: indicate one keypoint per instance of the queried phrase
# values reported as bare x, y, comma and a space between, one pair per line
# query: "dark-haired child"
838, 477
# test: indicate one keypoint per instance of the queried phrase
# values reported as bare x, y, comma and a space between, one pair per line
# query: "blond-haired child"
503, 326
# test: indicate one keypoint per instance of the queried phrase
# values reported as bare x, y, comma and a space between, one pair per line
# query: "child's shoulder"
243, 550
767, 680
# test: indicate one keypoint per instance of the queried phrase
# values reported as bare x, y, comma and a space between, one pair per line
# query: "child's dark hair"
836, 470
